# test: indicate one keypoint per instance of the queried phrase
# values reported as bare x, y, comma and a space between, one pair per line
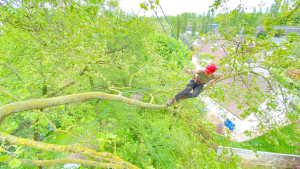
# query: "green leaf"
111, 136
4, 158
14, 163
157, 2
239, 159
144, 6
71, 8
101, 143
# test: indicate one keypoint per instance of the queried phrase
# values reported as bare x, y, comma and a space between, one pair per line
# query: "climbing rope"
89, 127
155, 87
169, 38
173, 35
111, 104
176, 38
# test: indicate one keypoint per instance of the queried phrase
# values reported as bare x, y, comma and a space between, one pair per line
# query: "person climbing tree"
196, 84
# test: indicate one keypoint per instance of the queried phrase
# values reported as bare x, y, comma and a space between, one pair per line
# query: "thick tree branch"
100, 156
68, 160
55, 101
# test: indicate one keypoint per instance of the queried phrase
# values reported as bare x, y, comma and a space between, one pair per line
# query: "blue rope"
111, 104
176, 38
170, 40
89, 127
167, 36
155, 87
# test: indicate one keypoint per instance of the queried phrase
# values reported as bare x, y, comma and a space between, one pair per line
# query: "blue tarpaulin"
229, 124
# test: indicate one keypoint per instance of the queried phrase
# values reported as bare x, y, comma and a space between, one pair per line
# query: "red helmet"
211, 69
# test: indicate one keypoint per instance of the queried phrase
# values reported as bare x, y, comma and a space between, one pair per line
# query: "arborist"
196, 83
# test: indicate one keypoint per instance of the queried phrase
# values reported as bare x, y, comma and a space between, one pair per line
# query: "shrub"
279, 32
262, 35
291, 37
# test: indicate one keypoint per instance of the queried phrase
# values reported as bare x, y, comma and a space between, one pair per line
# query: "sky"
175, 7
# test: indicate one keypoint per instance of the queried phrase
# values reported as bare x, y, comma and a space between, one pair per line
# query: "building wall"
286, 29
263, 158
241, 125
250, 123
221, 113
238, 122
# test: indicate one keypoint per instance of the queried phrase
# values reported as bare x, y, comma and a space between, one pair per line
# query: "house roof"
198, 42
231, 104
207, 49
189, 28
233, 98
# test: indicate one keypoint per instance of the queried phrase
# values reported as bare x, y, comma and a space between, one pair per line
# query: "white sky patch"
175, 7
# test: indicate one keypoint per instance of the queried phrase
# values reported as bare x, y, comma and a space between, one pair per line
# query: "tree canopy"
85, 77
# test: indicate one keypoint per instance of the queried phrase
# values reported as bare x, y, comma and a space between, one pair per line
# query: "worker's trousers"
186, 93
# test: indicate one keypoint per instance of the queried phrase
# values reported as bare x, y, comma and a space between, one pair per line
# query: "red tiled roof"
207, 49
231, 104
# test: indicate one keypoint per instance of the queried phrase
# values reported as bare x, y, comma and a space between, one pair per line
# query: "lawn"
285, 141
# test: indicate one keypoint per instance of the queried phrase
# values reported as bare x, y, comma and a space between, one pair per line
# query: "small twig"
3, 150
51, 136
6, 65
42, 74
297, 7
117, 89
58, 130
69, 84
271, 86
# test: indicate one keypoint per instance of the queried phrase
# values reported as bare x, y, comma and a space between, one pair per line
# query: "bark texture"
56, 101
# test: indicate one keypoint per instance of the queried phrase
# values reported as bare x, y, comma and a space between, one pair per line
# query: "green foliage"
291, 37
262, 35
145, 5
14, 163
165, 49
282, 140
279, 32
89, 48
4, 158
206, 56
66, 49
206, 22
